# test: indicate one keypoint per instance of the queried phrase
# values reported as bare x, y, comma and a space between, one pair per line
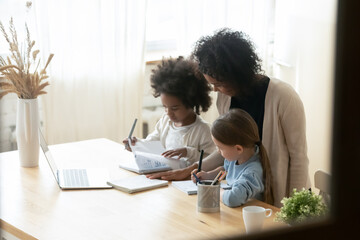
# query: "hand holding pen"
197, 179
200, 160
129, 140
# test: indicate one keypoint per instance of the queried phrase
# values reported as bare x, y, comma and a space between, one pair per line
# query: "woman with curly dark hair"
184, 93
229, 62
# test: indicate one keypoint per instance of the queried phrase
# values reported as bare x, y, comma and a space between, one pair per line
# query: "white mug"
254, 217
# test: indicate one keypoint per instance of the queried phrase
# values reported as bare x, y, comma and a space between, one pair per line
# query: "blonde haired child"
248, 170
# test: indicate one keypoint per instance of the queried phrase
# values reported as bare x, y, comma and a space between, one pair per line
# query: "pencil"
132, 128
222, 176
217, 177
200, 161
130, 134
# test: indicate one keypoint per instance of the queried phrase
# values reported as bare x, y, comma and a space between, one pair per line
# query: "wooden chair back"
322, 182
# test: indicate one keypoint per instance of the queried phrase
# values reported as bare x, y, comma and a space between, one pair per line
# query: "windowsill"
157, 56
153, 62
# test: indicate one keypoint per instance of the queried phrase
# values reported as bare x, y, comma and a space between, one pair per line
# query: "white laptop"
89, 178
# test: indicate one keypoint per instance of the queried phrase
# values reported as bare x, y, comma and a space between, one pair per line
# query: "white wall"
8, 106
304, 55
152, 107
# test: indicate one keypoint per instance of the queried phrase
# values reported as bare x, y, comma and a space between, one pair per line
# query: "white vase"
27, 132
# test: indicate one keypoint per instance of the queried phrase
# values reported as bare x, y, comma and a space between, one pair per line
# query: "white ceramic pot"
27, 132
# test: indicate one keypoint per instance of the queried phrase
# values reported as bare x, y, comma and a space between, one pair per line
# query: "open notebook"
148, 159
137, 184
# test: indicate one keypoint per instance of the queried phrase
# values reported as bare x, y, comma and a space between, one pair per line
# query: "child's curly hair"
181, 78
228, 56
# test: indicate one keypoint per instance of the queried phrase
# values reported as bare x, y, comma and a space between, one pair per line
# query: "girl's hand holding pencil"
130, 138
216, 175
200, 175
126, 143
195, 174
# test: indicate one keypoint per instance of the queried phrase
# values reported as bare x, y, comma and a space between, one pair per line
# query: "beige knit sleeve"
294, 127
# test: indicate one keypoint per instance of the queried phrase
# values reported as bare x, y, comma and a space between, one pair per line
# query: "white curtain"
97, 71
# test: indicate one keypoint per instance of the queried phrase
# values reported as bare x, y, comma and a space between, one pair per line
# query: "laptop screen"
48, 156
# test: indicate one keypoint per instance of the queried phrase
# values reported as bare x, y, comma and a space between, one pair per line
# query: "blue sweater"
246, 181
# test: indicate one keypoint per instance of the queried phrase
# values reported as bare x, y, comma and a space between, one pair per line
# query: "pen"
197, 179
200, 161
130, 134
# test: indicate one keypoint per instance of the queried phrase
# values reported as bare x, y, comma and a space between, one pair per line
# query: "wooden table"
33, 206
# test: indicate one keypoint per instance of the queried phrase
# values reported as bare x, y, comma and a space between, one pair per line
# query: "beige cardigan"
284, 137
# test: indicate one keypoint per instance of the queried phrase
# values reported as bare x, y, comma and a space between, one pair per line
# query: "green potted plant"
301, 206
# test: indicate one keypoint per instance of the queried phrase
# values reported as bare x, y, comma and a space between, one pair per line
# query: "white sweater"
284, 137
194, 137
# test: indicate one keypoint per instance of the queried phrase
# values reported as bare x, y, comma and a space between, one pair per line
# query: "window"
173, 26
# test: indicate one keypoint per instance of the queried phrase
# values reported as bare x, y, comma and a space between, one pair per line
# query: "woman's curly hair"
181, 78
229, 57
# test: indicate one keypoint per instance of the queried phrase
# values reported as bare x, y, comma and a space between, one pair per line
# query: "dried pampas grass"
15, 74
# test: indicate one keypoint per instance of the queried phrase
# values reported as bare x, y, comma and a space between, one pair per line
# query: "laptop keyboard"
75, 177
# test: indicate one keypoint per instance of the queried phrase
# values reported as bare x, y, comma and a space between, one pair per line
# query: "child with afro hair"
184, 93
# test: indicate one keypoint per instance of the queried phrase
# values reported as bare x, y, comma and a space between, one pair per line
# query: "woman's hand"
180, 152
179, 174
126, 143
